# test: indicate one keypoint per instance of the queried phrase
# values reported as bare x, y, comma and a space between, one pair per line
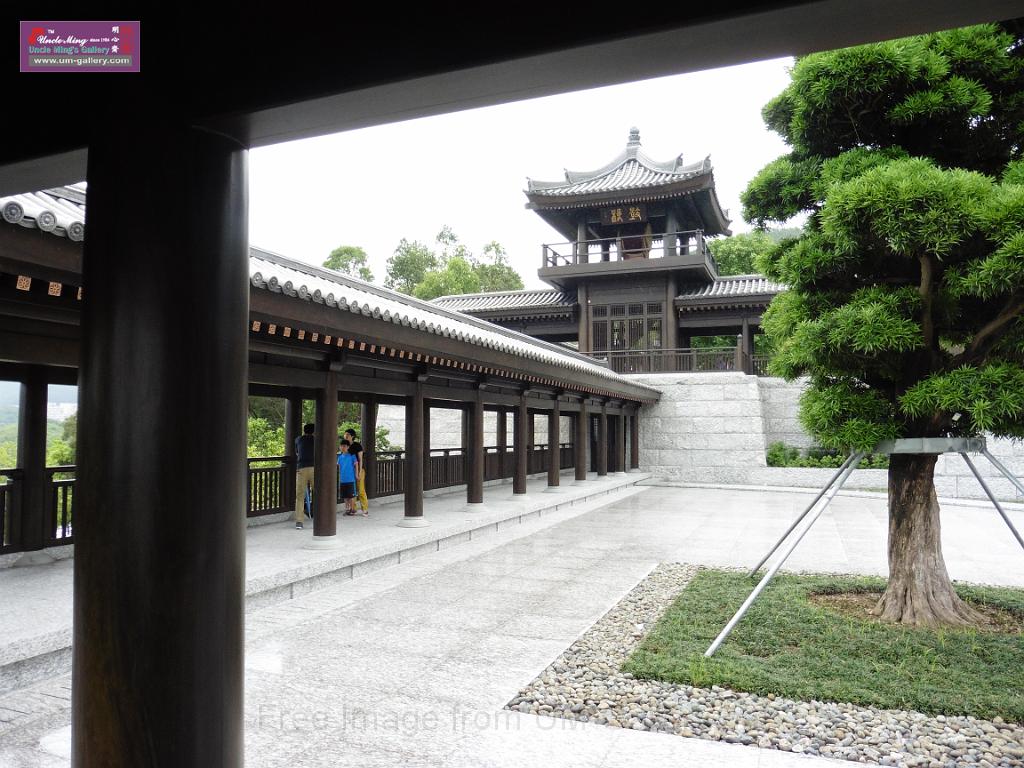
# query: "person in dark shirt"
356, 448
304, 473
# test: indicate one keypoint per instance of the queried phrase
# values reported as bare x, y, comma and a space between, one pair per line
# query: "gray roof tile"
732, 285
631, 169
508, 301
60, 211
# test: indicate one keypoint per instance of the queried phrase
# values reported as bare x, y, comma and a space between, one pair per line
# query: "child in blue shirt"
348, 471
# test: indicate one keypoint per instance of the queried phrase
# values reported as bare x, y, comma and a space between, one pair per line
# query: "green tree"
453, 269
494, 272
350, 260
735, 255
907, 286
408, 265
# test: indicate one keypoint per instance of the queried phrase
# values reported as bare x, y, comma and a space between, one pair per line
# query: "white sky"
373, 187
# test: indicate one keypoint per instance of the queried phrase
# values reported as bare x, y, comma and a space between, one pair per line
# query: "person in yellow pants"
357, 448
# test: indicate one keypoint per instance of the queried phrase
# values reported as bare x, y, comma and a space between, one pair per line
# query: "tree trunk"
919, 590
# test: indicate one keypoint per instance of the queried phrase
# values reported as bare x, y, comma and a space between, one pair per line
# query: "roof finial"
634, 137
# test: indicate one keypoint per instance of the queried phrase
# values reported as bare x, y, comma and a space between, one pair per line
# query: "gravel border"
585, 684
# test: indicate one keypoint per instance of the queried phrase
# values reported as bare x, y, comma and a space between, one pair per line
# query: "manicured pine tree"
906, 288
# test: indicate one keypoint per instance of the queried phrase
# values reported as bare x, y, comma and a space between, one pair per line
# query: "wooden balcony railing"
9, 484
686, 360
268, 490
689, 243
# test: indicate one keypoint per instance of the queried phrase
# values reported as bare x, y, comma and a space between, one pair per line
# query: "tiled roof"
60, 211
507, 301
272, 272
279, 274
730, 286
632, 169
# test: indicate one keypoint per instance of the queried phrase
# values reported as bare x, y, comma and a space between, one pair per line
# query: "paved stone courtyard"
411, 665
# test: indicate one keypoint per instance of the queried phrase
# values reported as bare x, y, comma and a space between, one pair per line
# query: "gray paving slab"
387, 671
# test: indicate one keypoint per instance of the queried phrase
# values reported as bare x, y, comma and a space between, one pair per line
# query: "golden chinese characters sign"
624, 214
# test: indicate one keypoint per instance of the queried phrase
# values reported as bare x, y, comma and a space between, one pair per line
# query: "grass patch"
791, 645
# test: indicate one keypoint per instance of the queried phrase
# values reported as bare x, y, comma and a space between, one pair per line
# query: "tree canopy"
906, 287
350, 260
426, 273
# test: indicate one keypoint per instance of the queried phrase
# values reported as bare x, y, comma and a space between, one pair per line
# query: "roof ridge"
497, 293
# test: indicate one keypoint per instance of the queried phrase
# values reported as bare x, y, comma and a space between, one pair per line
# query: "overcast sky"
373, 187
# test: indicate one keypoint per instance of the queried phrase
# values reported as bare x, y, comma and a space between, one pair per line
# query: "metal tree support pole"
1002, 468
803, 514
774, 569
991, 496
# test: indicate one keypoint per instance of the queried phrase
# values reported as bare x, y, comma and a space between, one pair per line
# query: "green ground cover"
791, 646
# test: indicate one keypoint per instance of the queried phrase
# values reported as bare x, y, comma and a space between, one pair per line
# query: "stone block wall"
715, 428
706, 427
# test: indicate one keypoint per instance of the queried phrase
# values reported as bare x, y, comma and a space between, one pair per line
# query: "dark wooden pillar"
582, 439
368, 424
671, 325
634, 439
415, 424
475, 451
583, 342
747, 336
292, 429
620, 443
426, 441
602, 442
520, 416
554, 438
32, 526
160, 496
501, 434
325, 483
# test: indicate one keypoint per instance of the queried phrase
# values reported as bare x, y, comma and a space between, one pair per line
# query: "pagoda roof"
631, 177
631, 170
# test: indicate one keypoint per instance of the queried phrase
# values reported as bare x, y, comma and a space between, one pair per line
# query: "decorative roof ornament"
13, 212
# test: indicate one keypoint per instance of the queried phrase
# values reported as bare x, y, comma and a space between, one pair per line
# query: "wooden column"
160, 494
368, 424
475, 452
670, 326
33, 527
292, 429
634, 438
583, 340
671, 239
582, 439
581, 236
554, 437
620, 443
325, 450
747, 335
501, 429
415, 423
519, 419
602, 442
426, 442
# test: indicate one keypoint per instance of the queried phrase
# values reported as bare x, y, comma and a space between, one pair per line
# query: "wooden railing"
267, 487
62, 495
690, 243
684, 360
390, 469
9, 482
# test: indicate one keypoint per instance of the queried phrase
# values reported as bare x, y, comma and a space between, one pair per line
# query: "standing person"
347, 477
356, 448
304, 461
